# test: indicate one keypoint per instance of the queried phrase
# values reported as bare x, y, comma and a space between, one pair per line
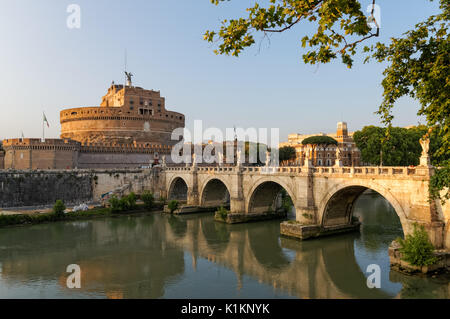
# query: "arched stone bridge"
321, 196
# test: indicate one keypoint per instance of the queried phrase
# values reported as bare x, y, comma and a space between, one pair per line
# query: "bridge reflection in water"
157, 256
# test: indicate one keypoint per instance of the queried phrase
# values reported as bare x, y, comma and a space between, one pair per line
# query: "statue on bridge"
425, 143
194, 159
267, 158
220, 158
338, 153
239, 157
338, 161
425, 157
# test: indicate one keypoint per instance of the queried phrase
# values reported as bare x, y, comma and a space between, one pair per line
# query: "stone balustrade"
293, 170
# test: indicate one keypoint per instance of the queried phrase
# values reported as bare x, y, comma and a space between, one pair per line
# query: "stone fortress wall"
30, 153
33, 154
19, 188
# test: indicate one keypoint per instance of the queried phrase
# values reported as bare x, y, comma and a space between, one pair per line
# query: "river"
163, 256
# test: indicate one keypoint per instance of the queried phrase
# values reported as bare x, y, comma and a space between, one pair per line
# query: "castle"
131, 128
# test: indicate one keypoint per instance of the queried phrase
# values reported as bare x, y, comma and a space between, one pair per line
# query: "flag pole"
43, 127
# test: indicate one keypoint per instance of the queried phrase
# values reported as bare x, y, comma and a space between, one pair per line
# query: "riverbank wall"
43, 187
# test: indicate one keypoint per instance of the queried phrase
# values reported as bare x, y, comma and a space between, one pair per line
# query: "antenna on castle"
125, 69
128, 75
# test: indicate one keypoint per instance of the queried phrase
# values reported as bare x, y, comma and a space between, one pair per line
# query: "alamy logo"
374, 279
74, 279
74, 19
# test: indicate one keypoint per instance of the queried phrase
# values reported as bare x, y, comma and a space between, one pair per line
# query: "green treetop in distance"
286, 153
320, 139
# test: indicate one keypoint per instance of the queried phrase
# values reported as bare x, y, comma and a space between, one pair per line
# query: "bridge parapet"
397, 172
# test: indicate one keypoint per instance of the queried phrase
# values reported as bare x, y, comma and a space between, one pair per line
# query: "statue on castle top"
129, 75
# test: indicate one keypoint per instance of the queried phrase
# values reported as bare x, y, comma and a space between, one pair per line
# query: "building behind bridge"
325, 155
131, 128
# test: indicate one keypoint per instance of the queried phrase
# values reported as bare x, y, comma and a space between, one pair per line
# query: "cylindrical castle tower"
126, 115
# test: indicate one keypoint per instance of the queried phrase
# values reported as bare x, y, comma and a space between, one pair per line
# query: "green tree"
287, 153
400, 148
418, 62
320, 139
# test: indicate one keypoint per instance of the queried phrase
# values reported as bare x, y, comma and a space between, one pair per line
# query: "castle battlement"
37, 143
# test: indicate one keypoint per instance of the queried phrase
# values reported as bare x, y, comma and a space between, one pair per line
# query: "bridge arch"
265, 194
215, 192
178, 189
336, 208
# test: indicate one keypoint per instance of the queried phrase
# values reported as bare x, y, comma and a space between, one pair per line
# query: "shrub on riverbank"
417, 248
148, 199
39, 218
124, 204
59, 208
173, 205
222, 213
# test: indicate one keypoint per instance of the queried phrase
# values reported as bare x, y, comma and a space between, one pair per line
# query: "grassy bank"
40, 218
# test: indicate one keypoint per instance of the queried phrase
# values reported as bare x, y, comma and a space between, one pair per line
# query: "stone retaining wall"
44, 187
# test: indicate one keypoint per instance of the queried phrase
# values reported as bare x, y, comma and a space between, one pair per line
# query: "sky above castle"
48, 67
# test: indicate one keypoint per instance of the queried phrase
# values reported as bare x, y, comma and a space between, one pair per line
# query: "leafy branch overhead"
418, 61
340, 26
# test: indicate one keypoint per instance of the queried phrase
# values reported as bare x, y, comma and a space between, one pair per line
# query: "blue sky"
47, 66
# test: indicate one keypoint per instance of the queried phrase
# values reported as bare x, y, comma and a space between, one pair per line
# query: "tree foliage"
400, 148
319, 139
173, 205
417, 248
286, 153
59, 208
148, 199
340, 25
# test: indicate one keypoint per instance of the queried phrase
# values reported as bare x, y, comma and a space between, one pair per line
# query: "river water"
163, 256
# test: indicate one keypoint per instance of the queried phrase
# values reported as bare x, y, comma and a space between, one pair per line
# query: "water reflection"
166, 256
